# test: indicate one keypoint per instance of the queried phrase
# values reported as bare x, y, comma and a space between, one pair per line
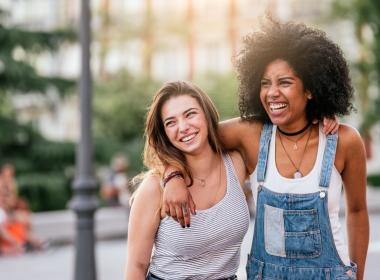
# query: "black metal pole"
85, 202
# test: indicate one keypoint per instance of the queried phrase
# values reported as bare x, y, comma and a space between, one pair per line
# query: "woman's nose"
183, 125
273, 91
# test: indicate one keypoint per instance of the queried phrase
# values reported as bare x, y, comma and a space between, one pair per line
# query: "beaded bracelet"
171, 175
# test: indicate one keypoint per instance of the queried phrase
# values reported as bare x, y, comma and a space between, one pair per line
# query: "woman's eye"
171, 123
189, 114
264, 83
285, 83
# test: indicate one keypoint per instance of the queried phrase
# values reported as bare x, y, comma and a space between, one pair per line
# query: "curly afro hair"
315, 59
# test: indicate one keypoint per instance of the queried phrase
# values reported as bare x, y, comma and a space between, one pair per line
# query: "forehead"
176, 105
277, 68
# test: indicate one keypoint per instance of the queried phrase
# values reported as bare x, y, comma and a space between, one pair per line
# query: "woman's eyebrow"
184, 112
287, 78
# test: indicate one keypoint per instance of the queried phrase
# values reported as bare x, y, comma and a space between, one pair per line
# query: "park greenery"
39, 162
45, 168
364, 14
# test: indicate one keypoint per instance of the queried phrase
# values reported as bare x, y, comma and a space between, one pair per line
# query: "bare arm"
144, 220
354, 179
235, 134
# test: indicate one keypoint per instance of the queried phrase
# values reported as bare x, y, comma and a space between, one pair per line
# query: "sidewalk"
57, 263
112, 222
59, 226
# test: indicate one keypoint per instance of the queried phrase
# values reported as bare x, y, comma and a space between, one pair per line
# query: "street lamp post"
84, 202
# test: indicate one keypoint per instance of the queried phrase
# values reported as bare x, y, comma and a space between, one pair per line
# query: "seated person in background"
9, 245
114, 190
17, 222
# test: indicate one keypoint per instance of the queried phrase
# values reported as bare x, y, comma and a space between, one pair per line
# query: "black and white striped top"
210, 248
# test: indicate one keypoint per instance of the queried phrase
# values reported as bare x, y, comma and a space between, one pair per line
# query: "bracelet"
171, 175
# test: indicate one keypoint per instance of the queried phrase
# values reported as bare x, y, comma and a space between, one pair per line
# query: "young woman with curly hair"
291, 74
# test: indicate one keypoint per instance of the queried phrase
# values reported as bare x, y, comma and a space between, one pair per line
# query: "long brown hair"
159, 152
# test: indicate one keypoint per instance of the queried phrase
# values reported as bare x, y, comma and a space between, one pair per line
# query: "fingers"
335, 129
327, 123
180, 218
336, 126
330, 126
172, 212
186, 214
192, 205
165, 208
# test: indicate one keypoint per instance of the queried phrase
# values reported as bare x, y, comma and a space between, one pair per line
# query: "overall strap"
328, 160
266, 134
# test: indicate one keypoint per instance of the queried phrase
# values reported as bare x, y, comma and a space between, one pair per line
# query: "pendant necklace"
297, 174
295, 142
201, 181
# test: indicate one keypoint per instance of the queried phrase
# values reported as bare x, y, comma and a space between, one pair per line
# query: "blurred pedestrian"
115, 189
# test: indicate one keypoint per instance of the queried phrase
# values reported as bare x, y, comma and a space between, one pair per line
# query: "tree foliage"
365, 16
41, 165
18, 47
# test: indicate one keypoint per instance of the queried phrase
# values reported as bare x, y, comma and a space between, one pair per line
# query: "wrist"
174, 174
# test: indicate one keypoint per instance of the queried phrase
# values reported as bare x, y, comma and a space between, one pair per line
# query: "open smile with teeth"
188, 137
277, 106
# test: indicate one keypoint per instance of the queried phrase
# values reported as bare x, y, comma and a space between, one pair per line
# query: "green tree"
41, 164
120, 105
18, 48
365, 17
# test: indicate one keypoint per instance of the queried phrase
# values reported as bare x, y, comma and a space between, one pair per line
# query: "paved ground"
58, 263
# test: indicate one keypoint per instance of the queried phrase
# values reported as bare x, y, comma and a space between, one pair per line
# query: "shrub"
373, 180
44, 192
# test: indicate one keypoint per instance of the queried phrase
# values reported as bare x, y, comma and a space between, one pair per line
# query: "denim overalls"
292, 237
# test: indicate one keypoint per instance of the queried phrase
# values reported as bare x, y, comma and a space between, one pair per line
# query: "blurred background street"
57, 262
136, 46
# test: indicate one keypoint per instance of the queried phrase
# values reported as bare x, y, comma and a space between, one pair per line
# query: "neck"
294, 130
202, 164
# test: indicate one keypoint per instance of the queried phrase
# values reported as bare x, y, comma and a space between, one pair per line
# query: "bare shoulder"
149, 189
349, 138
350, 145
239, 166
243, 136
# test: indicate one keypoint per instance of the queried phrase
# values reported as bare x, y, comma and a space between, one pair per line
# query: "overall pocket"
291, 233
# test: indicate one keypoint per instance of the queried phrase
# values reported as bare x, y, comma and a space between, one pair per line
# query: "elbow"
136, 271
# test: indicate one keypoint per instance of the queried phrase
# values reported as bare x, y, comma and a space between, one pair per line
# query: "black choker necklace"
294, 133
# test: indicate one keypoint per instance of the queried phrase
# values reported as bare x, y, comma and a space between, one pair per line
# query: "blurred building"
162, 39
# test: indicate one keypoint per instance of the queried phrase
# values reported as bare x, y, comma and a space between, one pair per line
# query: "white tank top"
210, 248
277, 183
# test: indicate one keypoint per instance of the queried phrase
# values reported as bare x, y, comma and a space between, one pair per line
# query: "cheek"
170, 133
262, 97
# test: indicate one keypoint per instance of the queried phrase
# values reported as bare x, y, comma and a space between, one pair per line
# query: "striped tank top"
210, 248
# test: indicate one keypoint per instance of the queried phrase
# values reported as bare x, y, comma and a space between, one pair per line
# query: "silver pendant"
297, 174
203, 182
295, 147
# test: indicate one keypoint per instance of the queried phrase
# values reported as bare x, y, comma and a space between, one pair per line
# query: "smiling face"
283, 96
185, 124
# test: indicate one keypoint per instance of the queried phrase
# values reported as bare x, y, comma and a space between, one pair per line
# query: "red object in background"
18, 231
